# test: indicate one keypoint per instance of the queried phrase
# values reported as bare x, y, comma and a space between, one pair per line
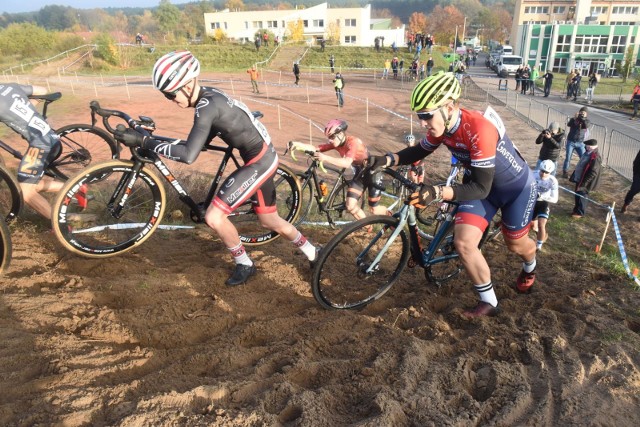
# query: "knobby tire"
11, 200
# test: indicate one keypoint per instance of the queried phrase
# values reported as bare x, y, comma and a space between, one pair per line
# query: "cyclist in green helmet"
496, 177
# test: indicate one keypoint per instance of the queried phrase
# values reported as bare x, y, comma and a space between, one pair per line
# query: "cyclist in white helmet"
547, 185
497, 178
216, 114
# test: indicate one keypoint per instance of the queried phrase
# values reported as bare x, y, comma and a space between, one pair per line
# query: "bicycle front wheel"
10, 195
122, 209
360, 264
80, 146
306, 193
444, 263
246, 220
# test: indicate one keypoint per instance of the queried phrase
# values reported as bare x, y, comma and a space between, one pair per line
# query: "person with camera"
551, 140
578, 131
586, 177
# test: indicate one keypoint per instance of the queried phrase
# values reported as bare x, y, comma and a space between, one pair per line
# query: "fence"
617, 149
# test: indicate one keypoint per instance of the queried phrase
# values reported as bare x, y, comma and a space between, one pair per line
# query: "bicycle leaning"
363, 261
126, 200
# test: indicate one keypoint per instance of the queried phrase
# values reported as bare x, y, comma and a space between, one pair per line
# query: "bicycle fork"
123, 190
372, 267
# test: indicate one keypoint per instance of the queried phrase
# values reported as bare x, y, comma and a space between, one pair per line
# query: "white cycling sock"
240, 255
528, 267
305, 246
487, 293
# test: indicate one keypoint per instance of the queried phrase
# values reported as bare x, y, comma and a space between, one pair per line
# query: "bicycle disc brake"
198, 217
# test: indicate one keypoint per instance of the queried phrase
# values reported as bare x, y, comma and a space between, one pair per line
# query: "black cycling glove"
129, 137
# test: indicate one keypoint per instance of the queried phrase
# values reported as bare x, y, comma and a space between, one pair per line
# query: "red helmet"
334, 126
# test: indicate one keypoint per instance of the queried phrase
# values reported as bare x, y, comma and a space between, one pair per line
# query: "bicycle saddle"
48, 97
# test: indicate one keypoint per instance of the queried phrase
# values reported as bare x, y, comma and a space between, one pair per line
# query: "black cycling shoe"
241, 274
312, 264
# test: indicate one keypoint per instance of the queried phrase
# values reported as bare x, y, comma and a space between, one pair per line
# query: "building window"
349, 39
591, 44
597, 10
305, 23
246, 25
272, 24
623, 23
559, 9
536, 9
564, 43
624, 10
349, 22
618, 44
215, 25
318, 23
560, 65
257, 24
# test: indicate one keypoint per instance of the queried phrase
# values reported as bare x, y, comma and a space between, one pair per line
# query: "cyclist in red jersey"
217, 115
353, 153
498, 178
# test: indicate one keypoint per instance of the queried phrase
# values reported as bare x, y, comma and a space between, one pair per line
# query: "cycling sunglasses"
426, 116
171, 95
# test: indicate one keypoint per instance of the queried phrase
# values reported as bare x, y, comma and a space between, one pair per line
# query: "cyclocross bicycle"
7, 182
330, 201
127, 200
361, 263
11, 200
80, 145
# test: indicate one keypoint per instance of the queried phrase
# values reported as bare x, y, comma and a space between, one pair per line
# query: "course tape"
623, 253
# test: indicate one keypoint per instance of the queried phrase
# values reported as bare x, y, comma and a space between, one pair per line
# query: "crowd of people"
497, 177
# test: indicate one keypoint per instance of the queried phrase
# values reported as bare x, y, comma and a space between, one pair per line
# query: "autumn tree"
168, 17
443, 22
295, 30
418, 23
235, 5
333, 33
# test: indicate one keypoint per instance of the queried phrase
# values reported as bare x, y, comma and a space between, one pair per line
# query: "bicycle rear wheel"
354, 269
103, 228
246, 220
5, 247
80, 146
337, 203
10, 195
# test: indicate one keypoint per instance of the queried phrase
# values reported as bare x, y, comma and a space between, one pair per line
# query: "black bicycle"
127, 200
80, 145
10, 195
330, 199
361, 263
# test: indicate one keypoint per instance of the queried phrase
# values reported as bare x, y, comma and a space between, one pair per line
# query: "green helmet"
435, 91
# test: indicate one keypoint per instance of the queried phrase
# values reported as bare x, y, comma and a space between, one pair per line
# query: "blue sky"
14, 6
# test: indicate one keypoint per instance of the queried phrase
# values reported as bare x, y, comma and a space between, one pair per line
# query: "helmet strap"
447, 120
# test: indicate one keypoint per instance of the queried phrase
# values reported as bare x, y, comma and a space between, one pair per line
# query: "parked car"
508, 65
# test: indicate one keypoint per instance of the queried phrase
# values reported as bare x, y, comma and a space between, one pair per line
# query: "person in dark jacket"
296, 72
551, 140
635, 185
578, 126
586, 176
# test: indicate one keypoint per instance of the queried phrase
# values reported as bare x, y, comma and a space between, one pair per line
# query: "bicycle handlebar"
307, 152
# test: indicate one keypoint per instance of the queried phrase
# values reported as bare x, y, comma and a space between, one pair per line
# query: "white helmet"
410, 139
547, 166
174, 70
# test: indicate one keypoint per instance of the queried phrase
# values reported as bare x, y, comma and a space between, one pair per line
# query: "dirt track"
155, 338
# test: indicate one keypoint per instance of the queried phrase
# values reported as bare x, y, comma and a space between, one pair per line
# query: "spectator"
635, 98
547, 186
429, 65
575, 85
535, 74
518, 77
338, 84
394, 47
265, 38
548, 82
635, 184
139, 39
385, 70
551, 140
524, 79
401, 65
332, 63
296, 72
569, 82
322, 43
258, 42
394, 67
276, 41
376, 43
253, 74
593, 82
586, 176
578, 127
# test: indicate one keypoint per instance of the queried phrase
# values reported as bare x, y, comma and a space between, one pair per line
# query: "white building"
354, 25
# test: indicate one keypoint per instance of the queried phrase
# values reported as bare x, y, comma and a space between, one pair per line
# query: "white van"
507, 50
508, 64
